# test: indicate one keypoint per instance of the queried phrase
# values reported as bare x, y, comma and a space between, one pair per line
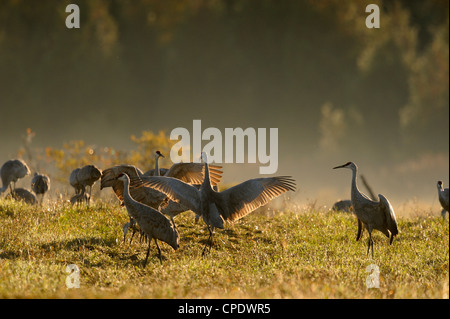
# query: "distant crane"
156, 171
40, 184
217, 207
372, 215
11, 171
443, 197
151, 222
22, 194
85, 176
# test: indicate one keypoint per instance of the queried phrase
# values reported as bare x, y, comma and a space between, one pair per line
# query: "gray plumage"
216, 207
21, 194
371, 215
40, 184
80, 178
443, 197
151, 222
11, 171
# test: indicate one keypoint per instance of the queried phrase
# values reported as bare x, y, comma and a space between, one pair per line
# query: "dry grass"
285, 255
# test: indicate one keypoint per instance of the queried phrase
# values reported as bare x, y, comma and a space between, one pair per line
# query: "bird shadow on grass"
76, 244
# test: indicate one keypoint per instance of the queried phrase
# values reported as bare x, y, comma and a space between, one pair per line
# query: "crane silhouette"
84, 176
22, 194
371, 214
443, 197
216, 207
40, 184
152, 223
11, 171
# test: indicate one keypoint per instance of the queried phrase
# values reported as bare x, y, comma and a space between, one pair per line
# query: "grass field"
283, 255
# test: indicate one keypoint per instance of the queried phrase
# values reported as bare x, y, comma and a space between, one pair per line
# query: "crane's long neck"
355, 193
157, 165
206, 180
128, 199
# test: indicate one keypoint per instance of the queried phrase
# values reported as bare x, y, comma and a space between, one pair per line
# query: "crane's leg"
89, 198
124, 235
148, 252
443, 213
159, 251
370, 243
210, 240
132, 235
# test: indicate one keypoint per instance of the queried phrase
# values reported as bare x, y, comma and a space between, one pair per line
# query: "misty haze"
336, 90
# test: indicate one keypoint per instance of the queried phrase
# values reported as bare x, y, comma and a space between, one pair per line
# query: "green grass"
286, 255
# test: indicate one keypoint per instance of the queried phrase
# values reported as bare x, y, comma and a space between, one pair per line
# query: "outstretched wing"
177, 190
391, 220
143, 195
110, 175
242, 199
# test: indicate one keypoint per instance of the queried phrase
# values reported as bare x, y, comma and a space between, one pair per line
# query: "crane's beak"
341, 166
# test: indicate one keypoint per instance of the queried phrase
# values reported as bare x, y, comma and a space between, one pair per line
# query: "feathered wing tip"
390, 216
242, 199
288, 182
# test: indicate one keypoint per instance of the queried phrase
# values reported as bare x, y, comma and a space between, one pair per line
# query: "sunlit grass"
285, 255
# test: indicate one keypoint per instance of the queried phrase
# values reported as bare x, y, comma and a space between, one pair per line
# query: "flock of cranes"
152, 199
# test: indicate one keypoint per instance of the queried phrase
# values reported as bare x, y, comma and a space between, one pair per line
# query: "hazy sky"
290, 67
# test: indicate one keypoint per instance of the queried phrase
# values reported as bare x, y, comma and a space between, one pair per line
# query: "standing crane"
216, 207
443, 197
85, 176
371, 215
40, 184
152, 223
11, 171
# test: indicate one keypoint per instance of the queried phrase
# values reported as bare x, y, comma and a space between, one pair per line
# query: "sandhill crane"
11, 171
443, 197
344, 205
85, 176
40, 184
372, 215
152, 223
217, 207
22, 194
